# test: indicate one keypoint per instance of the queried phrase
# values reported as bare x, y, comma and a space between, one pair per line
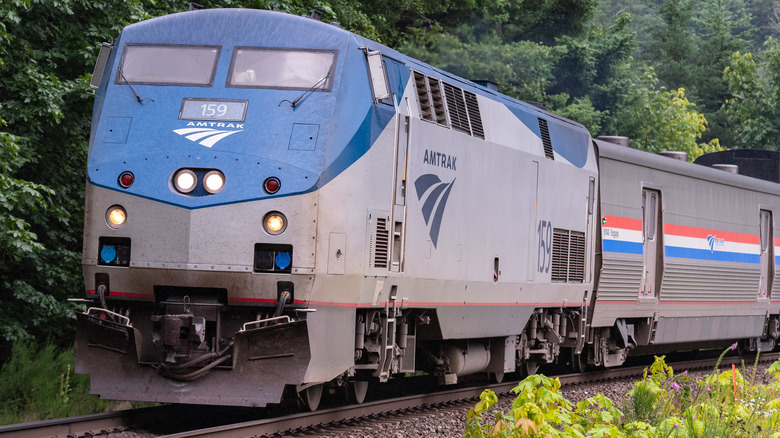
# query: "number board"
210, 109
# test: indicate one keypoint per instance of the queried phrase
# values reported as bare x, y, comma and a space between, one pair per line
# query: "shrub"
662, 404
39, 384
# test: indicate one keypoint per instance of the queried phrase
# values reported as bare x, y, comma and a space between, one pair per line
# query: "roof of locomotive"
241, 25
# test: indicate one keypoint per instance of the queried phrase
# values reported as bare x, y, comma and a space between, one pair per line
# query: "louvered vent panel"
381, 244
457, 108
437, 101
474, 117
545, 131
568, 256
576, 257
422, 96
560, 253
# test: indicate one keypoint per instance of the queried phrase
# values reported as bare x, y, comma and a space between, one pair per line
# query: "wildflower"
708, 387
675, 425
685, 373
734, 346
676, 386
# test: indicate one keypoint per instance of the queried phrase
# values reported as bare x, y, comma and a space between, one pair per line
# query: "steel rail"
93, 424
338, 417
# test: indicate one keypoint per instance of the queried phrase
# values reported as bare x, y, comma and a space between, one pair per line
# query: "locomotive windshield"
156, 64
295, 69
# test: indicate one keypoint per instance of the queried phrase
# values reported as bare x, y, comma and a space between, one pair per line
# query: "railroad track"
244, 422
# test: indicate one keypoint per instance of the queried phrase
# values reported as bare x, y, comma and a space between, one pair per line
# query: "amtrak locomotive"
276, 206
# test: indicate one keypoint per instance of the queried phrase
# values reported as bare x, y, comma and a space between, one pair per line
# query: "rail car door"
767, 255
384, 71
652, 244
399, 196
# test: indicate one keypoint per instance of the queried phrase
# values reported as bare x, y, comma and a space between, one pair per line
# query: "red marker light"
272, 185
126, 179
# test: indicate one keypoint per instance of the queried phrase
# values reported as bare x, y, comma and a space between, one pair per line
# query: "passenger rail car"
275, 205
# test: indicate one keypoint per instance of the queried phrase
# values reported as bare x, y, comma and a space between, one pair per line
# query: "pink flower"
734, 346
676, 386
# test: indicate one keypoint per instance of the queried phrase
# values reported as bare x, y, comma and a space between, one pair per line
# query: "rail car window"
291, 69
157, 64
764, 229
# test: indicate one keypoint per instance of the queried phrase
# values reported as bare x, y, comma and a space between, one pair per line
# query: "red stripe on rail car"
123, 294
622, 222
702, 233
259, 300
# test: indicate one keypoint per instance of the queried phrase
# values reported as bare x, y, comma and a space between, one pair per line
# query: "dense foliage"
663, 404
670, 74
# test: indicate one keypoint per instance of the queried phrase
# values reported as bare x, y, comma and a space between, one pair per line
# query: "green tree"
522, 69
657, 119
764, 21
593, 73
46, 52
754, 88
723, 29
674, 43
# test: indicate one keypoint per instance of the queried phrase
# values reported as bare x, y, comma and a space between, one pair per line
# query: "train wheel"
496, 377
579, 362
312, 396
358, 390
531, 367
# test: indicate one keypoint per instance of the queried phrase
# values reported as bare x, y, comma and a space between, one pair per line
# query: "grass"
40, 383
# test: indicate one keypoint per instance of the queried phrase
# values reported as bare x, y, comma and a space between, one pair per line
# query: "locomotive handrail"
261, 321
126, 320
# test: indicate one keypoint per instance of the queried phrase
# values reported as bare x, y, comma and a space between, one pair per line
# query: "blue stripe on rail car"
715, 256
622, 247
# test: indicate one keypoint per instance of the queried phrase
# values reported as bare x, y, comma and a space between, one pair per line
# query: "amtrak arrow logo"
714, 241
208, 137
436, 194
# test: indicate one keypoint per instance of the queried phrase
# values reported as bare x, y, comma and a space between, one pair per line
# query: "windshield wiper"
137, 97
313, 87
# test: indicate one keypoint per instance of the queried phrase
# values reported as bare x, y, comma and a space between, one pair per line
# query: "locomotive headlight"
116, 216
214, 181
274, 223
185, 180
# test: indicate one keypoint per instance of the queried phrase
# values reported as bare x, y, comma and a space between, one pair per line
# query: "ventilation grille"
426, 111
430, 99
457, 109
438, 101
460, 105
472, 106
568, 257
381, 244
545, 131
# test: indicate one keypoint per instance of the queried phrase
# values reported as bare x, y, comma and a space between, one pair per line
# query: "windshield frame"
325, 87
120, 79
